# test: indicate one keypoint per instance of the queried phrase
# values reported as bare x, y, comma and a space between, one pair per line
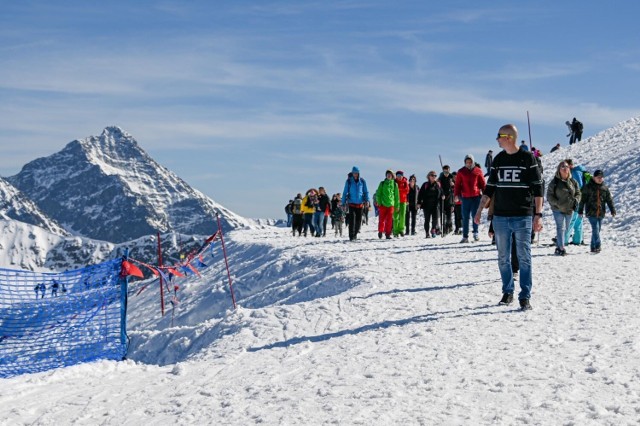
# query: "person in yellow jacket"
387, 199
309, 203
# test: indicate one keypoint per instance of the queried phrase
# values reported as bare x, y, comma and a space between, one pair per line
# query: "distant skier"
555, 148
43, 289
54, 288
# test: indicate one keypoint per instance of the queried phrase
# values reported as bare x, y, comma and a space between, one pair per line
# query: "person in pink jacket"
400, 212
468, 188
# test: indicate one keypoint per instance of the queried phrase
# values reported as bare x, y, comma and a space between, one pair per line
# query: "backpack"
579, 126
297, 206
586, 176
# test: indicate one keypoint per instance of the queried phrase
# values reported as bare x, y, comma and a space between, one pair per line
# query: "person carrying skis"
563, 194
388, 199
355, 195
400, 211
595, 196
514, 180
429, 199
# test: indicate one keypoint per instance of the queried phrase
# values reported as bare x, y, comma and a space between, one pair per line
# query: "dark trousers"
296, 224
447, 226
410, 219
457, 213
354, 216
431, 217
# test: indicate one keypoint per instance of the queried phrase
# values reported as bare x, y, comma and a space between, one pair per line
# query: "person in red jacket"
401, 211
468, 188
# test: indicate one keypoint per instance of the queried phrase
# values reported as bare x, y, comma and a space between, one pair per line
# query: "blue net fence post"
51, 320
124, 290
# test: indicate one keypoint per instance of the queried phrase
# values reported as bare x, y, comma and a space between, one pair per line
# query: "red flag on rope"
129, 268
175, 272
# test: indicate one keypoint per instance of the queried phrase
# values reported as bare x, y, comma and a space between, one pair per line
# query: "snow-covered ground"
404, 331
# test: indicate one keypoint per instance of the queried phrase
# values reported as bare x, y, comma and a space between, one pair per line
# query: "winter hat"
399, 172
355, 169
469, 157
389, 171
598, 173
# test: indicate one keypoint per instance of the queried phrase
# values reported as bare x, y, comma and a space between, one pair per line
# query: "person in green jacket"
388, 199
595, 196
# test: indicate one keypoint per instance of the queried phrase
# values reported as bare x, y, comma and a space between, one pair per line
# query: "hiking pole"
529, 125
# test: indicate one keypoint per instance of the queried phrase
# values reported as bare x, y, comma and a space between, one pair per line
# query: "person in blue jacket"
356, 196
575, 226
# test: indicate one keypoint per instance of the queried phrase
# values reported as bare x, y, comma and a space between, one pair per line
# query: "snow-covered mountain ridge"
107, 188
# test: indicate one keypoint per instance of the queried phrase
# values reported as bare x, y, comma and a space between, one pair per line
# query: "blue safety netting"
50, 320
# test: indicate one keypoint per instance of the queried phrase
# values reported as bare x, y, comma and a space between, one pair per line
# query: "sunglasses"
564, 167
502, 135
432, 175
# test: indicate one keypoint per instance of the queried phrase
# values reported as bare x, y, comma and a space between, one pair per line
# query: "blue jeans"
596, 224
520, 226
469, 208
318, 222
574, 227
563, 221
308, 223
289, 219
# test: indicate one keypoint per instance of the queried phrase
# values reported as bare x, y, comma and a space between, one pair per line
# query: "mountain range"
105, 191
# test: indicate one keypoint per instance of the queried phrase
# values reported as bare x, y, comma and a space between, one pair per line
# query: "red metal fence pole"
161, 283
226, 261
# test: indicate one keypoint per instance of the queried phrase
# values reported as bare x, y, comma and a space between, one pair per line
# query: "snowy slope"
616, 151
405, 331
106, 187
15, 205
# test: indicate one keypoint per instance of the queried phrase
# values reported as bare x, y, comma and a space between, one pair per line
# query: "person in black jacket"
447, 182
412, 206
488, 161
516, 185
595, 196
429, 199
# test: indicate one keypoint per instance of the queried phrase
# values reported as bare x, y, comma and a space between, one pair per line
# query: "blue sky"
253, 101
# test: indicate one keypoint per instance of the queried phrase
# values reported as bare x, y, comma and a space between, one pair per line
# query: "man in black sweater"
514, 182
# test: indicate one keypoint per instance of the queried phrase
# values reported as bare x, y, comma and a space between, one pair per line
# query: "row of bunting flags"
192, 265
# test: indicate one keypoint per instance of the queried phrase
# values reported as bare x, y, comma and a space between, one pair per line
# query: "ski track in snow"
415, 337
